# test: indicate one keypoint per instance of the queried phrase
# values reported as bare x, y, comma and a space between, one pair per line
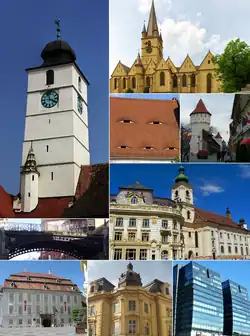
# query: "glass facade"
236, 309
198, 301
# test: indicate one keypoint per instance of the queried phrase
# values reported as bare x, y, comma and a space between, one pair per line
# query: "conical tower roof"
181, 177
138, 60
30, 165
152, 23
200, 108
218, 136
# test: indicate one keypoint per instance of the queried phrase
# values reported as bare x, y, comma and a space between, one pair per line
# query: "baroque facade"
131, 308
150, 72
35, 300
147, 227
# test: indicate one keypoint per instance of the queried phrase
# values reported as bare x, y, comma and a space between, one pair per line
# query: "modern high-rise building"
236, 309
198, 301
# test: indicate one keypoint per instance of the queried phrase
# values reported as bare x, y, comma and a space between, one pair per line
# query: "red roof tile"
217, 219
200, 108
6, 204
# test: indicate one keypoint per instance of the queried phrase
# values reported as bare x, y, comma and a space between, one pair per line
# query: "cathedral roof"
130, 277
200, 108
152, 23
136, 186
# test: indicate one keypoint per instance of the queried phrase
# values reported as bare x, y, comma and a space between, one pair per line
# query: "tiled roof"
6, 204
216, 218
200, 108
162, 139
136, 186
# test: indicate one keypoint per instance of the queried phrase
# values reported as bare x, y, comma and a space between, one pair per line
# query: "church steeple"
152, 23
30, 164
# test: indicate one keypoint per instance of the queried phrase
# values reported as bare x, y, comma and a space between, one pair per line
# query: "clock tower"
56, 125
151, 41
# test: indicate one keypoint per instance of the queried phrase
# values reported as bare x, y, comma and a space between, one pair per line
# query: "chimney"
228, 213
242, 223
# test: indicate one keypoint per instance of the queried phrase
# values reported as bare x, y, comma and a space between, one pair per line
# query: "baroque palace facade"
131, 308
150, 72
147, 227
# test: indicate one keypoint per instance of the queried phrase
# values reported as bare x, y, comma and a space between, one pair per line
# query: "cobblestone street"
64, 331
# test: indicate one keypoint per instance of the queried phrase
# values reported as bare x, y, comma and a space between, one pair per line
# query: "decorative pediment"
171, 65
162, 65
120, 70
187, 65
133, 70
207, 63
150, 68
135, 197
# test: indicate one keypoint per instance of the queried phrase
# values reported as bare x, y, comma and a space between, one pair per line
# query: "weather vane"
57, 22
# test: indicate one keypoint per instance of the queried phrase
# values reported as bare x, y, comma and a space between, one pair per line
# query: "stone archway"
46, 320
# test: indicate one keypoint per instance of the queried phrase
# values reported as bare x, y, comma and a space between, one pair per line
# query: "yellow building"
151, 73
129, 309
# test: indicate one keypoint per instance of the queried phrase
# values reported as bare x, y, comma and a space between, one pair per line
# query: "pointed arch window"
49, 77
124, 83
147, 81
184, 80
115, 83
133, 83
193, 80
174, 81
162, 79
209, 83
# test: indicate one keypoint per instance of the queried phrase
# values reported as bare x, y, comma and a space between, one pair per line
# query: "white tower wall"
198, 122
29, 191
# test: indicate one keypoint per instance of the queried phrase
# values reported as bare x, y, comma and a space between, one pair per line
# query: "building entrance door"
46, 320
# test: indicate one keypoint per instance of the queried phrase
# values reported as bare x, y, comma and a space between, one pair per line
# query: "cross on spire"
57, 22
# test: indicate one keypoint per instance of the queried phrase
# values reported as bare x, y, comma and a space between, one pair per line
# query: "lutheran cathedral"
151, 73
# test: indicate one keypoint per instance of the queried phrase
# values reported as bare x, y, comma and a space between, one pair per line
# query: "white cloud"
209, 189
199, 14
245, 171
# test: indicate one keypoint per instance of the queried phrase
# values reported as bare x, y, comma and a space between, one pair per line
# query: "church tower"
182, 193
151, 41
56, 126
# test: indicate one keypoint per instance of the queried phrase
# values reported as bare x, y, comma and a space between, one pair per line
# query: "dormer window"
134, 200
12, 284
126, 121
187, 193
28, 278
92, 289
58, 280
171, 148
123, 147
148, 148
156, 122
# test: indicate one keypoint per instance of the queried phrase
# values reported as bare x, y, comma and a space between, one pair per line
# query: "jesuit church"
56, 178
151, 73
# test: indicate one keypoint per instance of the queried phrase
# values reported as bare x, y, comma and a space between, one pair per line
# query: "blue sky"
156, 96
111, 270
67, 269
26, 27
216, 186
237, 271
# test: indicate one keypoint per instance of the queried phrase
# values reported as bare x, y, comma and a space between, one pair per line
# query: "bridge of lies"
17, 239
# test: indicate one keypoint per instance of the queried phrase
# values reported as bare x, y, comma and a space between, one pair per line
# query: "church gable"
207, 63
120, 70
171, 65
150, 69
132, 71
187, 65
162, 65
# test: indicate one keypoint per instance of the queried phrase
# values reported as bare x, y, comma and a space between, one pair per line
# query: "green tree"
79, 316
129, 90
233, 66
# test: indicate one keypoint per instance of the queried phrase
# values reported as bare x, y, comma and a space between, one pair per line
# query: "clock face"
148, 47
49, 99
79, 104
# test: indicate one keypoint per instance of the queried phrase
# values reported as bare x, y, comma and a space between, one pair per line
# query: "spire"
138, 60
57, 22
144, 29
228, 213
181, 177
160, 36
152, 23
200, 108
30, 164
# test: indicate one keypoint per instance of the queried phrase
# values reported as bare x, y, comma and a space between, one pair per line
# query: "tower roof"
152, 23
57, 52
136, 186
138, 61
30, 164
200, 108
181, 177
218, 136
130, 277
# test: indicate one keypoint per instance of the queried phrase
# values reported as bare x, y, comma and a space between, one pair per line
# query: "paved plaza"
63, 331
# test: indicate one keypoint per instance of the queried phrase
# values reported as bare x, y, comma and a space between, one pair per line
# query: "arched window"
49, 77
79, 84
193, 80
147, 81
196, 239
209, 83
187, 193
242, 251
229, 249
134, 200
222, 249
115, 83
175, 81
124, 83
184, 80
133, 83
162, 78
176, 193
188, 215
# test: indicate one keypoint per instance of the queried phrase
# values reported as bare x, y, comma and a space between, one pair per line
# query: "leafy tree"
79, 316
129, 90
233, 66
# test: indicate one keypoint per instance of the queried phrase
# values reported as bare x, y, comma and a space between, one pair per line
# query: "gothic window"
124, 83
162, 78
196, 239
188, 215
79, 84
175, 81
49, 77
134, 200
193, 80
147, 81
133, 83
222, 249
184, 80
209, 83
115, 83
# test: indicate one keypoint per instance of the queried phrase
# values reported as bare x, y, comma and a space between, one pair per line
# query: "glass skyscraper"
198, 301
236, 309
